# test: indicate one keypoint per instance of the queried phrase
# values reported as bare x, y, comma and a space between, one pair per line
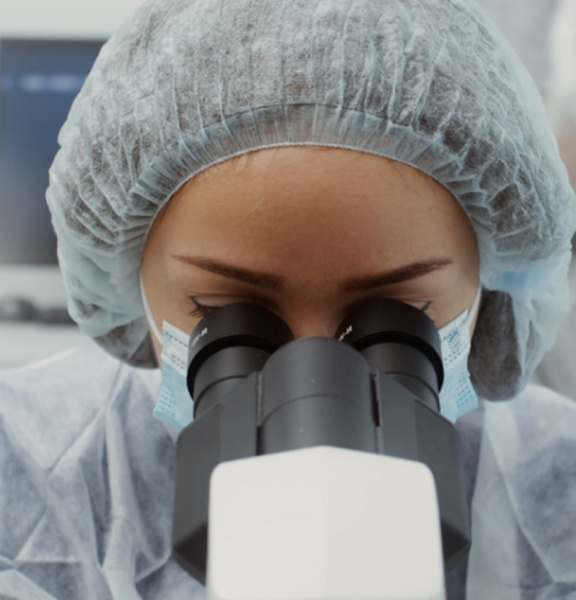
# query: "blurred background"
46, 50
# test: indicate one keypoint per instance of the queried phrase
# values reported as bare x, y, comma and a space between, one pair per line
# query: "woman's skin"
309, 233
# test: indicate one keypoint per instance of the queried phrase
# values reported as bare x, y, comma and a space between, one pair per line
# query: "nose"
312, 326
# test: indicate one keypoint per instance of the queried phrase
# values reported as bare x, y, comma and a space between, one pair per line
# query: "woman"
306, 156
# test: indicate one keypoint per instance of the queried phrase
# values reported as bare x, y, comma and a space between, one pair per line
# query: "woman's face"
309, 233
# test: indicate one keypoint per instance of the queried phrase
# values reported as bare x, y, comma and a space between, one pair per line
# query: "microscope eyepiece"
400, 340
228, 345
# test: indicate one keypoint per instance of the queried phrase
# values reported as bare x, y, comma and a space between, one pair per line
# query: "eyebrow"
267, 281
405, 273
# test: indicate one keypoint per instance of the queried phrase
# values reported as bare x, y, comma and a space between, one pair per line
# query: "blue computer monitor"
39, 79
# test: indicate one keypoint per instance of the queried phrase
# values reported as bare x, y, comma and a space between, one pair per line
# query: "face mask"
457, 396
174, 405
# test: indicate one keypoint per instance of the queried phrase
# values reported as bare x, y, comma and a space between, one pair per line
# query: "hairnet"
186, 84
527, 25
561, 100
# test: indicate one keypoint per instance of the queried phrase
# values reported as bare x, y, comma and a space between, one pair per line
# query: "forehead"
311, 171
338, 210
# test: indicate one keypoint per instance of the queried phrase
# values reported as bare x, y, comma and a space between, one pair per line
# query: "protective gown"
87, 488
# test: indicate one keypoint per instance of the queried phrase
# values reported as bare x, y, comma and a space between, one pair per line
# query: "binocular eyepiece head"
236, 340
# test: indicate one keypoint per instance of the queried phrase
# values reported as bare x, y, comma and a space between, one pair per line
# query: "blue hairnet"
186, 84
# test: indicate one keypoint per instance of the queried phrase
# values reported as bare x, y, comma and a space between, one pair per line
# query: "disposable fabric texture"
523, 517
88, 479
87, 484
527, 25
561, 100
556, 371
187, 84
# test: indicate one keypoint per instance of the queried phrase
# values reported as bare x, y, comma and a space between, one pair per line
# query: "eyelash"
424, 308
200, 310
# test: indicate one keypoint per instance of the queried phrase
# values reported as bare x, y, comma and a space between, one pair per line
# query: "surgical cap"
527, 25
187, 84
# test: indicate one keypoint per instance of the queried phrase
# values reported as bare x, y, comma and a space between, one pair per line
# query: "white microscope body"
324, 523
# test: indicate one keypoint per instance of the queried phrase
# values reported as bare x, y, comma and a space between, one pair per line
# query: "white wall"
66, 18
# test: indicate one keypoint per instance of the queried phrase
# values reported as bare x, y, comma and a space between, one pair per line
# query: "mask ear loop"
474, 309
148, 312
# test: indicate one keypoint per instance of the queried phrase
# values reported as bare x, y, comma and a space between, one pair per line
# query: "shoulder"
72, 369
529, 443
532, 441
523, 510
90, 475
45, 406
538, 414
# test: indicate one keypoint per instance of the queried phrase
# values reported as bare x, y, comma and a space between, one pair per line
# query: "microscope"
318, 468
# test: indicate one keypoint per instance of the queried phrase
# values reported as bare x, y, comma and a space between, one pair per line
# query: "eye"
200, 310
424, 306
